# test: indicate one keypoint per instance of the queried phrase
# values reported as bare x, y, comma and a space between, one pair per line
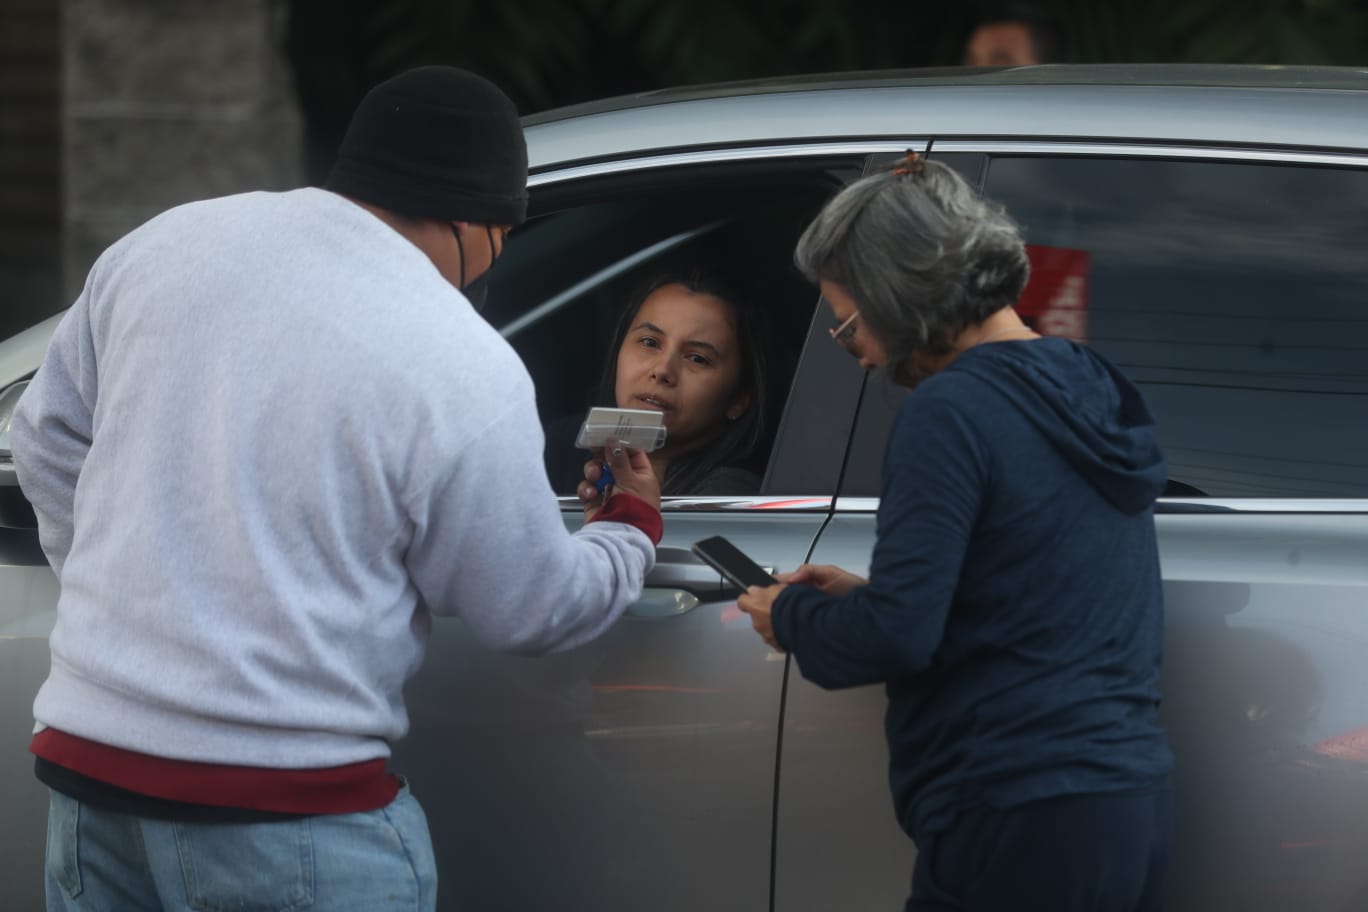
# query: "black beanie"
436, 142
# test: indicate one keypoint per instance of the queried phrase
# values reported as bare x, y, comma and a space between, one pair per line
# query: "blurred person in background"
270, 440
1014, 606
1014, 34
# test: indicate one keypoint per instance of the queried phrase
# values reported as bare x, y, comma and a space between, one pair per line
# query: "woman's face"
681, 356
856, 337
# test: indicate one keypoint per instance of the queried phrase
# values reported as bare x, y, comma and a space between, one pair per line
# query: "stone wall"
167, 101
30, 178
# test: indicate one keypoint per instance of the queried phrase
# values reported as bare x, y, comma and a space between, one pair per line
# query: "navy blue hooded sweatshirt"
1014, 607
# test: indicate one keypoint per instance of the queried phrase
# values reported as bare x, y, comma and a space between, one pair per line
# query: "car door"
1229, 285
27, 614
638, 771
28, 610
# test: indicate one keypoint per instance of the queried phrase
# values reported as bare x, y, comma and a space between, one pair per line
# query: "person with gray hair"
1013, 608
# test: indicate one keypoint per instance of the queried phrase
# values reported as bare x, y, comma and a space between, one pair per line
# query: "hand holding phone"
831, 580
728, 560
743, 573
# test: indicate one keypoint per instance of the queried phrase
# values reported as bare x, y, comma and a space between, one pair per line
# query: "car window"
1232, 293
568, 273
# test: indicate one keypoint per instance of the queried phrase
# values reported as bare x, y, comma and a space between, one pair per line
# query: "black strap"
108, 797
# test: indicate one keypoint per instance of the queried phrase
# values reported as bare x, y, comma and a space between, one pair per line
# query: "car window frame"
823, 383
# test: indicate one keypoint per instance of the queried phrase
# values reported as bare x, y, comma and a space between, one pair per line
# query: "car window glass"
1233, 294
971, 165
569, 272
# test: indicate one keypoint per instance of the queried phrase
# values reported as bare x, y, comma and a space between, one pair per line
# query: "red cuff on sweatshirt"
632, 510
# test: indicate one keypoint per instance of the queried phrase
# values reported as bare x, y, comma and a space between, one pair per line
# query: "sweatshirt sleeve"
52, 428
935, 473
491, 547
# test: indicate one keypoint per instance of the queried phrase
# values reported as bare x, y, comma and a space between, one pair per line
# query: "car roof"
1323, 108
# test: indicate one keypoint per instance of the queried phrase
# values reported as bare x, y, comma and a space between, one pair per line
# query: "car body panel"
21, 354
1287, 117
662, 733
835, 810
1264, 681
1166, 75
28, 612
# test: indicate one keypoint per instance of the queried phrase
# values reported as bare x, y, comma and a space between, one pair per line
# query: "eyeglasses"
842, 334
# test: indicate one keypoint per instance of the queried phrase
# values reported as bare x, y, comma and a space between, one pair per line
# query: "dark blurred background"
112, 110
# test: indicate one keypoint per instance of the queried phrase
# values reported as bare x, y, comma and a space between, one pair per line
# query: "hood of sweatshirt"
1090, 412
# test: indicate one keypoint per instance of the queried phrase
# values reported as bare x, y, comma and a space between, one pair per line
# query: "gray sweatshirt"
268, 441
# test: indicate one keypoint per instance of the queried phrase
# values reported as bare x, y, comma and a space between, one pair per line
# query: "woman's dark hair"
739, 439
923, 256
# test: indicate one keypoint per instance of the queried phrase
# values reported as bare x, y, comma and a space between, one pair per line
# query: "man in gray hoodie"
271, 439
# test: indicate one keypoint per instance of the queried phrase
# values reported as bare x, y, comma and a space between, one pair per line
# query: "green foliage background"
548, 53
1307, 32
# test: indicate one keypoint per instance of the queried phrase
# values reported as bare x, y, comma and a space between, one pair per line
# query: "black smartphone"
727, 559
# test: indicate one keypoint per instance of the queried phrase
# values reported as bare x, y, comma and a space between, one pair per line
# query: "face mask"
477, 289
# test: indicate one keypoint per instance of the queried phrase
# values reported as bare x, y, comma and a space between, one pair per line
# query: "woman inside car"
691, 346
1013, 608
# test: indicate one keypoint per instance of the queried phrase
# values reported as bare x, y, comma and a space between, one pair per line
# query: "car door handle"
678, 584
678, 568
663, 603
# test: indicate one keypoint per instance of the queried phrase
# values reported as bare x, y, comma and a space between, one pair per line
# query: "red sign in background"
1055, 301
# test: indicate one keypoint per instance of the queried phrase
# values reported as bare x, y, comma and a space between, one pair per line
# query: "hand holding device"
829, 579
728, 560
637, 429
743, 573
628, 469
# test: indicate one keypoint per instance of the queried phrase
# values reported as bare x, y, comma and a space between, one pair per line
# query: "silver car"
1204, 228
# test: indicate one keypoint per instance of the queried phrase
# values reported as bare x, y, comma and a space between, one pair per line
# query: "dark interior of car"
586, 251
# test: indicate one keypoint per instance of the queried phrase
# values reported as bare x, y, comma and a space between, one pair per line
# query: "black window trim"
1056, 149
853, 149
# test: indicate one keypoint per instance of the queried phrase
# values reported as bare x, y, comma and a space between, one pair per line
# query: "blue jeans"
101, 860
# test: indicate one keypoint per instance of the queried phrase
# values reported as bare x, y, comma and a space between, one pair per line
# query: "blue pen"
605, 477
